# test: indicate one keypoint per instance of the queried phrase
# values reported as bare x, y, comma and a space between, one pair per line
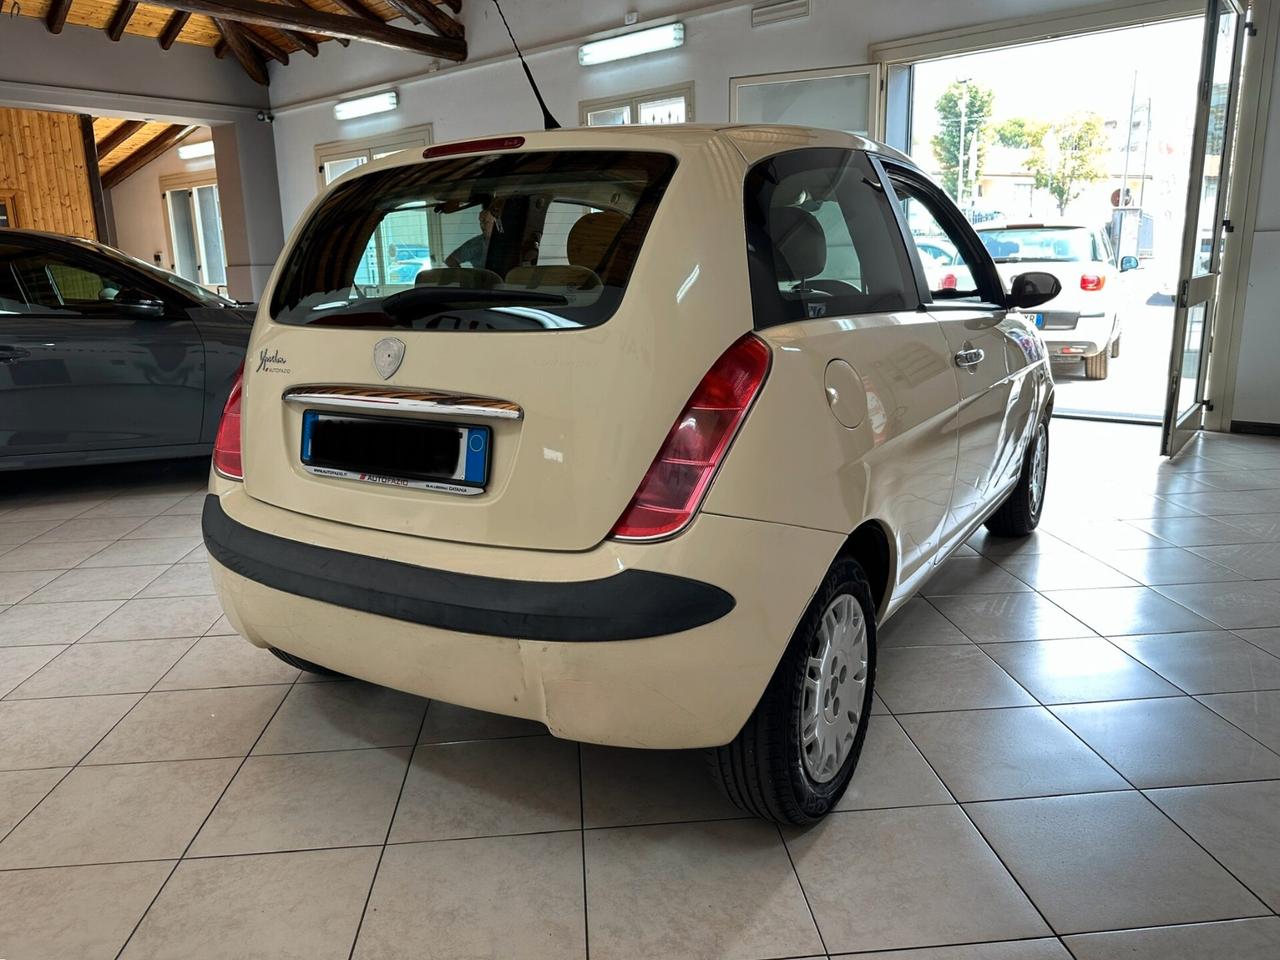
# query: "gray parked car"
106, 358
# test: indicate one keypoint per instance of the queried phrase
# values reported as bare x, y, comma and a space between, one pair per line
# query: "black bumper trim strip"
626, 606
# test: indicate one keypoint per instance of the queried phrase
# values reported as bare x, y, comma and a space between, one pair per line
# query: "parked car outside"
656, 487
1083, 321
107, 358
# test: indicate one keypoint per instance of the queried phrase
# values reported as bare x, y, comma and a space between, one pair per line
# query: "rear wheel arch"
872, 546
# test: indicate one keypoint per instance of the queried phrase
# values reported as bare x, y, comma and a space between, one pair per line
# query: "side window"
53, 283
821, 239
951, 269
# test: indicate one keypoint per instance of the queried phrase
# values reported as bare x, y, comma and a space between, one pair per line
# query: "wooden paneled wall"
42, 161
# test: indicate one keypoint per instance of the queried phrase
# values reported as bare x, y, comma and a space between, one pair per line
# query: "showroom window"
822, 240
667, 105
193, 215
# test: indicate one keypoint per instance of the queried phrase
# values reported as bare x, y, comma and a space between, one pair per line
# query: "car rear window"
1015, 244
510, 241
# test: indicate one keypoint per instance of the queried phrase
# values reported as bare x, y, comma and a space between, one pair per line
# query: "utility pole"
1146, 150
964, 111
1124, 182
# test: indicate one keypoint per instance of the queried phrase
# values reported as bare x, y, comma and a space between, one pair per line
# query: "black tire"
1115, 348
1096, 367
762, 771
1020, 512
306, 665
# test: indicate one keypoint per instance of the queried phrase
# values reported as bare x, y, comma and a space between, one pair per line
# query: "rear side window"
822, 240
513, 241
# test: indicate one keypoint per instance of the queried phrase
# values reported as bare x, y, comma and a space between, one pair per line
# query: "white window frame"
408, 138
189, 181
869, 70
633, 101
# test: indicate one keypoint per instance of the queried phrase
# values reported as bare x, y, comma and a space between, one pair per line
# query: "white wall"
1257, 400
488, 97
137, 204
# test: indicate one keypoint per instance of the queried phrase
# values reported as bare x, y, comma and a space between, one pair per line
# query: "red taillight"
1092, 282
486, 145
949, 281
682, 471
226, 446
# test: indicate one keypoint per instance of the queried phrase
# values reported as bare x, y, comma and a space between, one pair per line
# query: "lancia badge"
387, 356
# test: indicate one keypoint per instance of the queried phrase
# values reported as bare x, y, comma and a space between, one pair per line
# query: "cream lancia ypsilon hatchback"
666, 425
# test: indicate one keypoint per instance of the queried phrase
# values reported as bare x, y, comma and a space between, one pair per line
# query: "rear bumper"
1090, 334
566, 639
629, 605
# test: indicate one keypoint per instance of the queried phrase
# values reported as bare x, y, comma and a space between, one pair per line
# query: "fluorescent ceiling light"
194, 151
364, 106
632, 44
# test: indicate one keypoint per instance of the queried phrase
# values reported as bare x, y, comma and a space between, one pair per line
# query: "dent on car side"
596, 404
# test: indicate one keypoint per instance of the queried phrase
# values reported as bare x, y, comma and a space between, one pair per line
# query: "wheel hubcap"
1039, 467
834, 687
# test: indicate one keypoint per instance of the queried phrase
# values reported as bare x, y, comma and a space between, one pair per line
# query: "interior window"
821, 239
949, 268
12, 299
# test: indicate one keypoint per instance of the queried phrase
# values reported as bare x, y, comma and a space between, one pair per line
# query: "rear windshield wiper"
419, 302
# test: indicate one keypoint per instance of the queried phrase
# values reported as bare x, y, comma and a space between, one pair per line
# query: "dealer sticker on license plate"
396, 451
1039, 319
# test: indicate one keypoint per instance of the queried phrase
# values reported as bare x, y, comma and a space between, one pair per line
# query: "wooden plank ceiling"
255, 31
126, 146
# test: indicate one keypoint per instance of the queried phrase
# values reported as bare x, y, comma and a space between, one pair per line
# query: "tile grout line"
382, 850
177, 863
582, 846
800, 883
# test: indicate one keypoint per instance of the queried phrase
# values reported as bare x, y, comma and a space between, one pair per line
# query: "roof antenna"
548, 121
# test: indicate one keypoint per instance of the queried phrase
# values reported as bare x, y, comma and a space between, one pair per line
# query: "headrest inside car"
591, 237
799, 245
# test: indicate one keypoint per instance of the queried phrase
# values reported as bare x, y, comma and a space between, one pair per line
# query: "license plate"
1039, 319
396, 451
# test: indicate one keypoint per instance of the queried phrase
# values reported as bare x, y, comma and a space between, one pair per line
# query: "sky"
1094, 73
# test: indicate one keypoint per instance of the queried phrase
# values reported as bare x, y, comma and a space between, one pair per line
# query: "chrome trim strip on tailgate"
437, 403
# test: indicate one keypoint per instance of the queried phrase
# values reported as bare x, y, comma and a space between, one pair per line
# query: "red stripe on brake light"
1091, 281
487, 145
226, 446
681, 473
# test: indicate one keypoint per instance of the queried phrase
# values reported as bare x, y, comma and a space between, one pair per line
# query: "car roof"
1032, 225
753, 141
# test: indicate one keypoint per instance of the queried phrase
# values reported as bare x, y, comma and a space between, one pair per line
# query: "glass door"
839, 98
195, 234
1205, 228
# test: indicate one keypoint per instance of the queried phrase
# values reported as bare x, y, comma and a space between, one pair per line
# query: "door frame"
1195, 288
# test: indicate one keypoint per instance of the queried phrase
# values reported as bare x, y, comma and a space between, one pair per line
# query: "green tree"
1019, 132
1069, 157
962, 106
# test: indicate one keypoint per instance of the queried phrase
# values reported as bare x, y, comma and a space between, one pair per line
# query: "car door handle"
970, 356
12, 354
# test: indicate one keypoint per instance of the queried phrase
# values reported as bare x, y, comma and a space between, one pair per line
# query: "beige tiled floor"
1075, 752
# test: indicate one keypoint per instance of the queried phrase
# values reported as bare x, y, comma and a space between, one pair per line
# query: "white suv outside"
1083, 321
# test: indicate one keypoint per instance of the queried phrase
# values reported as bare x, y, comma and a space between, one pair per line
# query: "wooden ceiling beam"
435, 18
169, 137
56, 16
118, 136
234, 37
279, 17
265, 45
305, 43
299, 4
172, 27
120, 19
454, 5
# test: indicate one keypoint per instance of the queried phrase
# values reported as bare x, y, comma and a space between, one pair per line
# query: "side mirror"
135, 302
1032, 289
1128, 263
